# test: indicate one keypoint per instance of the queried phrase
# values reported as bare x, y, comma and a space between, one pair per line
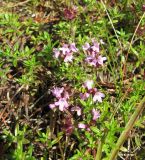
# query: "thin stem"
135, 32
66, 145
131, 42
111, 24
119, 103
127, 129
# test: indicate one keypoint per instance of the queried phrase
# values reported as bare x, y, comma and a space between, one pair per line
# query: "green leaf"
96, 130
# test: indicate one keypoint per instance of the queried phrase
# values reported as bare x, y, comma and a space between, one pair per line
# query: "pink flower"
77, 109
65, 49
89, 84
56, 52
57, 92
84, 96
82, 126
62, 104
93, 54
65, 52
98, 96
95, 47
73, 47
68, 57
96, 114
100, 60
91, 60
86, 46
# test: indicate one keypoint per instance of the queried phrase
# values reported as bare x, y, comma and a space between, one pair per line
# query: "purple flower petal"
57, 92
62, 103
98, 97
91, 60
68, 57
93, 54
65, 49
82, 126
95, 47
86, 46
100, 60
84, 96
73, 47
96, 114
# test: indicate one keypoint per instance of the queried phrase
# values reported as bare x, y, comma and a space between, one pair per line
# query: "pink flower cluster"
65, 52
93, 57
61, 102
62, 97
96, 95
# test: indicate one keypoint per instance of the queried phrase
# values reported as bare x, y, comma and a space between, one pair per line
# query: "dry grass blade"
127, 129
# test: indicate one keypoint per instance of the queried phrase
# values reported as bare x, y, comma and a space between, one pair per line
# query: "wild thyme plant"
81, 104
64, 94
